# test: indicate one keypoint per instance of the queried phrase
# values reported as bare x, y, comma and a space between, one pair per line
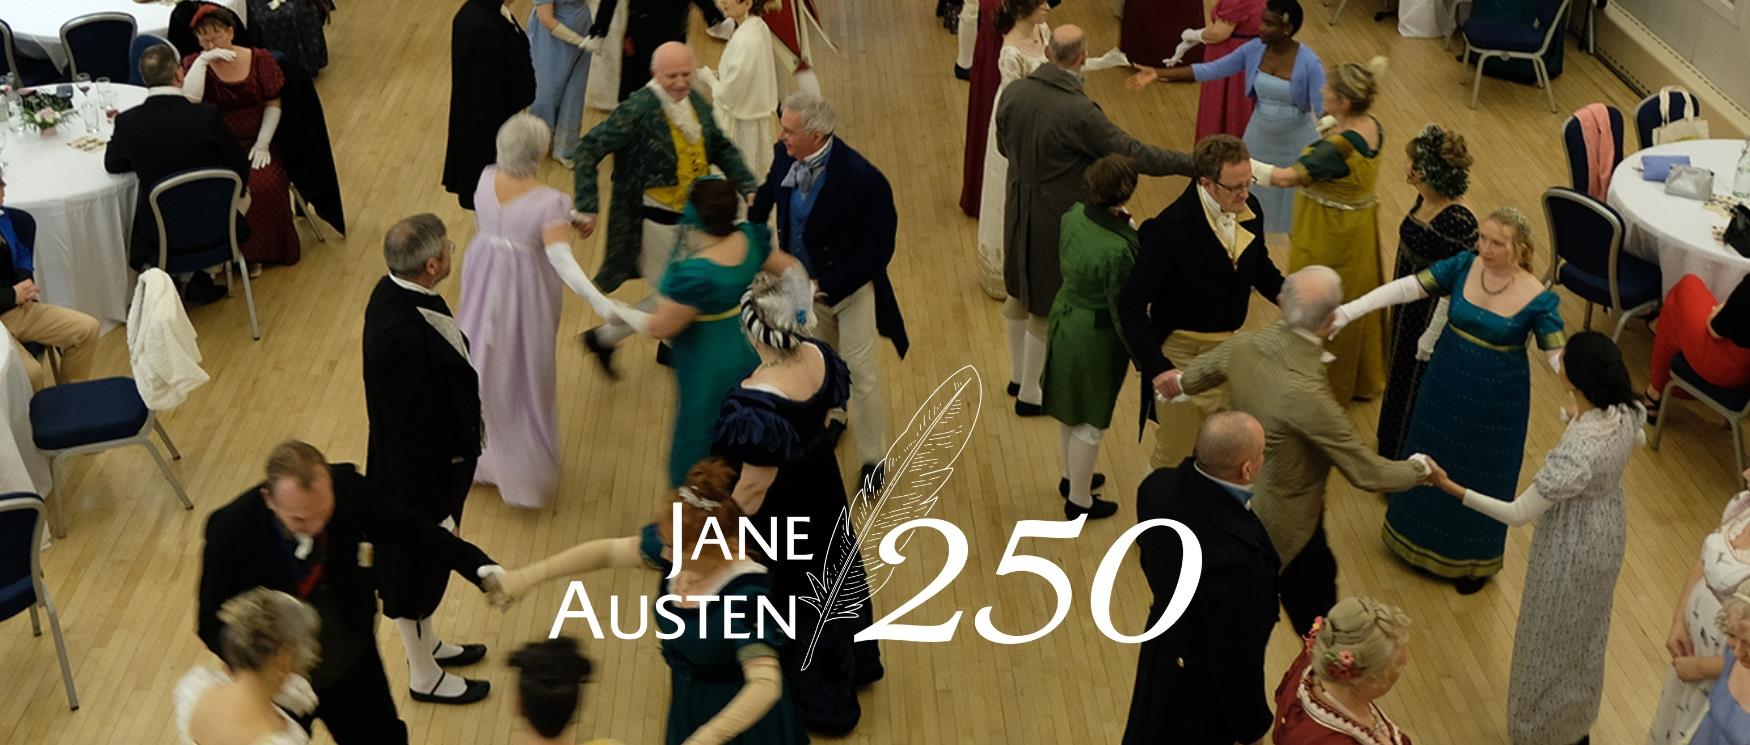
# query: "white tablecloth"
36, 24
1427, 19
84, 216
1678, 233
22, 466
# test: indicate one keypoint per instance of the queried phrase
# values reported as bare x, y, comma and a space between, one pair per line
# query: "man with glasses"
1199, 261
422, 398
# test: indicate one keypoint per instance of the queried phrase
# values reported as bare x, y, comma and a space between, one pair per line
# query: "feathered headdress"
779, 311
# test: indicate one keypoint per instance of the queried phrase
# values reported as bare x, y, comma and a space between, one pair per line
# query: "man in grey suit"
1051, 132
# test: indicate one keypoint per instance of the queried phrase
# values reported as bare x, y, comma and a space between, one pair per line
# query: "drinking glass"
82, 81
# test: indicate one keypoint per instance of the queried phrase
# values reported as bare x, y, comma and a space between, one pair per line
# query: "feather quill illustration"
917, 465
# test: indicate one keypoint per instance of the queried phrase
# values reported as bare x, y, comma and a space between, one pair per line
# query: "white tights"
1081, 447
1026, 349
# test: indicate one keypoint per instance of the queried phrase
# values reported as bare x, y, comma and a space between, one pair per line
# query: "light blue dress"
561, 73
1726, 723
1276, 135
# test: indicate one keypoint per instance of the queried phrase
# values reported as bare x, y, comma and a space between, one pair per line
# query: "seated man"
164, 136
31, 320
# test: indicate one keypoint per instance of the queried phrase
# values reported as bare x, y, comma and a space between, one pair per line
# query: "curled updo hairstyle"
1734, 613
1512, 219
1441, 160
550, 682
1290, 11
1358, 83
777, 311
707, 492
1110, 181
717, 205
261, 624
1012, 11
1358, 641
1594, 365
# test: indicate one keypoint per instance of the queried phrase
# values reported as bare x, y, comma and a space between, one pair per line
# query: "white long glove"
592, 44
259, 155
1436, 324
194, 84
637, 319
709, 77
564, 33
1192, 35
1178, 54
1262, 172
1107, 61
1396, 292
559, 256
296, 696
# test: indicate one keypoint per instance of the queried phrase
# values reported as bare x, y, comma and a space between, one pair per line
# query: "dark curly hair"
553, 672
1441, 160
1012, 11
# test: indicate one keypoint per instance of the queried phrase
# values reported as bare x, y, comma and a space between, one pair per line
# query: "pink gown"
1222, 105
510, 307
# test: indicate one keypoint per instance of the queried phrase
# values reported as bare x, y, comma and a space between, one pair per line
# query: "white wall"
1713, 35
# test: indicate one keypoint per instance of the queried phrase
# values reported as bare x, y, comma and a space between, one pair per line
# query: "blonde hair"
1358, 83
1358, 640
262, 623
1734, 610
1509, 217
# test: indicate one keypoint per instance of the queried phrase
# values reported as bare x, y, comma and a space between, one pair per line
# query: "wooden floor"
125, 576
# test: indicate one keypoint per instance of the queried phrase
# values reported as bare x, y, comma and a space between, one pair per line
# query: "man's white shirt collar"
406, 285
163, 90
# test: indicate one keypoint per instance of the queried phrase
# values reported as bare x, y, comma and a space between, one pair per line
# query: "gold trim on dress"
1467, 336
731, 313
1369, 203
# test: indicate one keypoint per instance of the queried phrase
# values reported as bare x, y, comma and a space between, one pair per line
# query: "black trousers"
1308, 585
409, 582
358, 709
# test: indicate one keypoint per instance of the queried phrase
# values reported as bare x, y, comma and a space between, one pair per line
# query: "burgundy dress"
1222, 105
272, 237
980, 105
1150, 30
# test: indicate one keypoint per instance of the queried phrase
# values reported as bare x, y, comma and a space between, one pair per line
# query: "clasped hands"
26, 292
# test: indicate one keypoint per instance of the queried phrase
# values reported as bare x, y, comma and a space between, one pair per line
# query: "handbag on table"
1658, 167
1690, 127
1690, 182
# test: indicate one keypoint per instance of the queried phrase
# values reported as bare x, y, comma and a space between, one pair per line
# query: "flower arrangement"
43, 111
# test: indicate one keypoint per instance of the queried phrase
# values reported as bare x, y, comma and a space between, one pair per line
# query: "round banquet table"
84, 216
22, 466
36, 24
1678, 233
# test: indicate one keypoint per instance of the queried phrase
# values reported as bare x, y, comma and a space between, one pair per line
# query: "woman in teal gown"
1474, 398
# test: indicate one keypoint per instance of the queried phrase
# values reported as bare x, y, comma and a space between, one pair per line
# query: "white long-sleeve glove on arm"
559, 256
564, 33
639, 320
1396, 292
296, 696
602, 553
1555, 359
261, 154
1436, 325
194, 84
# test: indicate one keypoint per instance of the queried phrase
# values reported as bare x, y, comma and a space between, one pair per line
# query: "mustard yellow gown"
1336, 224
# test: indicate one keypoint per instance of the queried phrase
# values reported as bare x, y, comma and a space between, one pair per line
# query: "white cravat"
680, 113
1222, 220
163, 90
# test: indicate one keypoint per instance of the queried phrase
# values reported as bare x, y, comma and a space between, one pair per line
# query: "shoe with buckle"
473, 691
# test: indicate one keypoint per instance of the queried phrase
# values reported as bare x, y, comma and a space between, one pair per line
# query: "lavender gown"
510, 312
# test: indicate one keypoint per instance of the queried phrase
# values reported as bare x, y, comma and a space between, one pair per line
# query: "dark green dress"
705, 666
711, 355
1086, 359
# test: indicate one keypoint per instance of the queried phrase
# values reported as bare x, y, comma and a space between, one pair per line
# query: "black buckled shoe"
473, 692
1098, 510
1098, 481
470, 654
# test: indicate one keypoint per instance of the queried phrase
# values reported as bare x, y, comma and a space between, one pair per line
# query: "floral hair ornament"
691, 497
1340, 665
1432, 165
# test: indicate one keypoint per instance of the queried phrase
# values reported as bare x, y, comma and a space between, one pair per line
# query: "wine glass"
82, 81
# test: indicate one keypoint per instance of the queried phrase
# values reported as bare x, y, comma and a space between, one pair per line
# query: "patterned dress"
1420, 244
1723, 568
1336, 223
1470, 416
272, 237
294, 28
1557, 677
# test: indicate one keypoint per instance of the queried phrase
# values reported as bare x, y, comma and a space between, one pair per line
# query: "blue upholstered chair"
1587, 237
1507, 39
196, 212
97, 44
92, 416
1734, 405
1647, 116
141, 43
30, 71
21, 577
1574, 142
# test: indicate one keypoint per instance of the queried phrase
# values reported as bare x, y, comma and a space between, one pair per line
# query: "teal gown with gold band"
1470, 418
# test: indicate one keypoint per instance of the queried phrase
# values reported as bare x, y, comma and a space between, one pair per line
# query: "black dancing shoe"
1470, 585
470, 654
1014, 389
1098, 510
1024, 409
473, 691
664, 355
963, 73
604, 354
1098, 481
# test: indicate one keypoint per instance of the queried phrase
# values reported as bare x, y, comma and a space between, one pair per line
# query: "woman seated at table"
1714, 338
245, 84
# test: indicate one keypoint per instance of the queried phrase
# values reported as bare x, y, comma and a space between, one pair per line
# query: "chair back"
1549, 18
8, 56
1586, 233
1574, 142
1678, 105
21, 533
196, 212
142, 43
98, 44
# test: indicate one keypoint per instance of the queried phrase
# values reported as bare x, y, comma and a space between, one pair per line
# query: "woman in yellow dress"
1336, 221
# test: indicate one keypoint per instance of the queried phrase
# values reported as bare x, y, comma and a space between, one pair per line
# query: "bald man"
663, 138
1202, 682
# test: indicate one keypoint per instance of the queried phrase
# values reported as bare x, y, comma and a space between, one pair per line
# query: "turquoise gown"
711, 356
1470, 418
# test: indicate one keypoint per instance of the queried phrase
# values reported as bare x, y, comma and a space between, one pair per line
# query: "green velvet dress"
711, 355
1086, 359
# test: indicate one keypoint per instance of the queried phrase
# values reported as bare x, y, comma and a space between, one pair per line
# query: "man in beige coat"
1277, 374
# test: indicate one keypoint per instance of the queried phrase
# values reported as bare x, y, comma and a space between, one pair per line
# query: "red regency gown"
272, 237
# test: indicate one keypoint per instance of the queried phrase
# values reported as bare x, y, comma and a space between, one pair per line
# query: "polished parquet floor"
125, 576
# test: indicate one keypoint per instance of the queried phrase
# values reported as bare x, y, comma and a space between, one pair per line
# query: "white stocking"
968, 34
1017, 339
1032, 368
423, 672
1082, 446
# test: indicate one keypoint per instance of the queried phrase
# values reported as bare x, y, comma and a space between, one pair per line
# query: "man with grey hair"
1277, 374
663, 138
1203, 680
422, 399
836, 216
1051, 132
